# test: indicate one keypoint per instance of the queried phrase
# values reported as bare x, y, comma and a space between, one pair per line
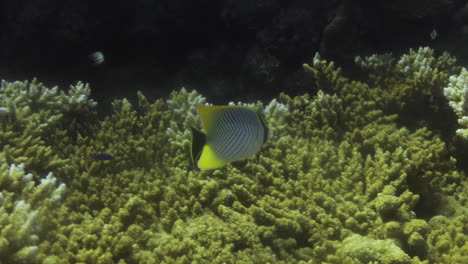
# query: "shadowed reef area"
371, 170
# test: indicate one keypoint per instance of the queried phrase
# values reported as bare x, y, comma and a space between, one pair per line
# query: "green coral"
447, 242
359, 249
344, 178
457, 95
38, 122
26, 209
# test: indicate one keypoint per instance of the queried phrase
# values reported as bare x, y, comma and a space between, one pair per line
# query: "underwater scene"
326, 147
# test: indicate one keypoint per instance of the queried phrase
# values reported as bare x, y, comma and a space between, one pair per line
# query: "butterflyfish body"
231, 133
97, 57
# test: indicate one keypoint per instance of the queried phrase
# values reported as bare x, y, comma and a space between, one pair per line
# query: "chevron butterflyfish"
231, 133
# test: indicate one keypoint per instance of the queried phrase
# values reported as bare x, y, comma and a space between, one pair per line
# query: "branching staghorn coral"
36, 116
26, 209
416, 74
24, 99
340, 180
457, 94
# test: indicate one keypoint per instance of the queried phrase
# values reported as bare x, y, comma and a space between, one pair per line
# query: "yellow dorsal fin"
208, 114
208, 159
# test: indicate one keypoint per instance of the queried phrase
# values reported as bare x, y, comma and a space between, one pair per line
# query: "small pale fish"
97, 57
103, 156
433, 34
231, 133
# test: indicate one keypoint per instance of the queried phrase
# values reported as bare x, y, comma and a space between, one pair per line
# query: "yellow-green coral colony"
344, 179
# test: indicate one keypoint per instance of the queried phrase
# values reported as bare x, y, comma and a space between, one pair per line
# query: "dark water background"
227, 50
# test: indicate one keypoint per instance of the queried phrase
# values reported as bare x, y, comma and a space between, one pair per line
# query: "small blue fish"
103, 156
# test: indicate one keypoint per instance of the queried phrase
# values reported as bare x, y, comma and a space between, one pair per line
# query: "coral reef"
457, 94
344, 178
26, 212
